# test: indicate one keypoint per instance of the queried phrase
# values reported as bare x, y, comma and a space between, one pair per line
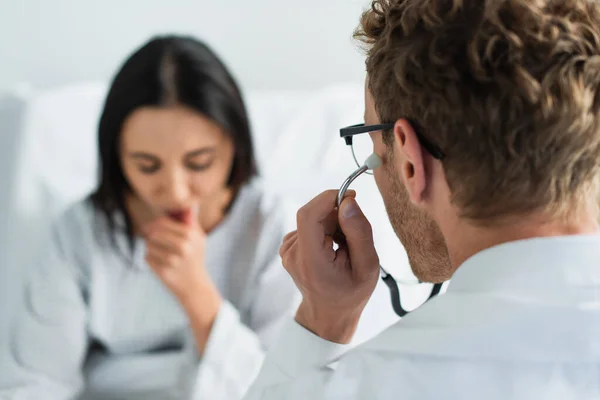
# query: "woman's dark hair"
169, 70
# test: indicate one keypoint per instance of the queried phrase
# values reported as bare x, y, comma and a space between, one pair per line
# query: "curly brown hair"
508, 89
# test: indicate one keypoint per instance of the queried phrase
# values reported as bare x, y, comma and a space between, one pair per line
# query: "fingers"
330, 223
166, 236
166, 224
192, 217
317, 219
288, 240
288, 252
159, 258
359, 237
169, 241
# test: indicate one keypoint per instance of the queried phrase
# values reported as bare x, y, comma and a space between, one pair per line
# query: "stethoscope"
372, 162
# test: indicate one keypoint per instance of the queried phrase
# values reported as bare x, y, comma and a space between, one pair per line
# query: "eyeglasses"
362, 146
361, 149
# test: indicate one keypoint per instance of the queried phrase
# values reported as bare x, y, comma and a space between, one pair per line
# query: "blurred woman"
166, 283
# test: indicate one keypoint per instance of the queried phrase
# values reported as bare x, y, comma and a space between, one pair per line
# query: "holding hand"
175, 252
335, 284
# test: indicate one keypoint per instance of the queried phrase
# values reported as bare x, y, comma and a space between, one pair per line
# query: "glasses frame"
348, 132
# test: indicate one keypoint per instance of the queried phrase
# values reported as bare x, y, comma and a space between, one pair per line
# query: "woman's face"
175, 158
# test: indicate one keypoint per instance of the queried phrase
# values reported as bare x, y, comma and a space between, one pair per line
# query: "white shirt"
98, 324
519, 321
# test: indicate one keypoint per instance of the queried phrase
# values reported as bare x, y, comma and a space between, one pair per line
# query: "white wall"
283, 44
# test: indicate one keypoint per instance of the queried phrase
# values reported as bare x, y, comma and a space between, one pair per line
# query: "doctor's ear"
409, 160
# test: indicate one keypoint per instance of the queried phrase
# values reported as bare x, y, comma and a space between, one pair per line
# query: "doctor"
490, 175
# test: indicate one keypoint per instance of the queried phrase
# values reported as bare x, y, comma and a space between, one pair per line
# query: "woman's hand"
175, 252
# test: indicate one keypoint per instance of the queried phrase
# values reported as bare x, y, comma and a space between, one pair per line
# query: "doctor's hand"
335, 284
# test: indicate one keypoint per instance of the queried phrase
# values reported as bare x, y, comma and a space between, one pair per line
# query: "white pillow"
61, 140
